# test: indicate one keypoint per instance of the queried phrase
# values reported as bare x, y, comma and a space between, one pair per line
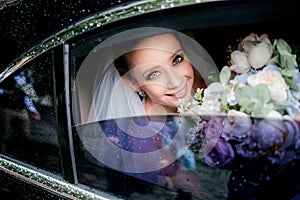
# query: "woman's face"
162, 70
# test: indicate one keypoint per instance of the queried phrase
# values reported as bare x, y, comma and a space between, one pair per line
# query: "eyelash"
152, 75
176, 61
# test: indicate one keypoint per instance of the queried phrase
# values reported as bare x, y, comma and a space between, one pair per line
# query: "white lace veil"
112, 97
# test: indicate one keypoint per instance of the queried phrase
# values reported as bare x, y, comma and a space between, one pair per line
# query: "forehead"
167, 42
155, 50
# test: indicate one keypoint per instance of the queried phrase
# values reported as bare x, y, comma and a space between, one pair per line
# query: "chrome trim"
49, 183
68, 109
94, 21
5, 3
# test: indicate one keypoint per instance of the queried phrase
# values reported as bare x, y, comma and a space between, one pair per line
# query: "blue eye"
177, 59
153, 75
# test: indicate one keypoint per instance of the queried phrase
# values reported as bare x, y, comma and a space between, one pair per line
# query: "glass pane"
134, 156
195, 155
113, 156
28, 117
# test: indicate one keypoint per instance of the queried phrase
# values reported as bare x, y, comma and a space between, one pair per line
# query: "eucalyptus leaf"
244, 97
261, 110
283, 47
263, 104
288, 72
225, 75
261, 92
288, 61
254, 100
215, 87
291, 84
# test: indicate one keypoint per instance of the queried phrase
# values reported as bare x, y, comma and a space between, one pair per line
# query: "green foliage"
254, 100
225, 75
198, 95
288, 63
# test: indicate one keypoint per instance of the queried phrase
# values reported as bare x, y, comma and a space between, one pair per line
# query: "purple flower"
236, 127
213, 128
274, 138
217, 151
221, 155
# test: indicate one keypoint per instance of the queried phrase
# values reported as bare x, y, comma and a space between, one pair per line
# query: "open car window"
237, 130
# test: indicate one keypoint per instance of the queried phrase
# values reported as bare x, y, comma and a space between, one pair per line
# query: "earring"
142, 94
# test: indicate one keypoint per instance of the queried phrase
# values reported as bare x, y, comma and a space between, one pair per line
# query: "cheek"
191, 82
153, 91
189, 75
186, 70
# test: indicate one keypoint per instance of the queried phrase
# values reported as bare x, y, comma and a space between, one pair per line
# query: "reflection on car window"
133, 137
144, 75
28, 119
247, 152
151, 160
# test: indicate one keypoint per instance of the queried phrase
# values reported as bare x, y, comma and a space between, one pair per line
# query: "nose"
175, 79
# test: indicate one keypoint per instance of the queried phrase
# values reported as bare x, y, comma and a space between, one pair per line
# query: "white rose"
273, 80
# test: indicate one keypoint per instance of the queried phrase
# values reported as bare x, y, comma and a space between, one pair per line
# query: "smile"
179, 94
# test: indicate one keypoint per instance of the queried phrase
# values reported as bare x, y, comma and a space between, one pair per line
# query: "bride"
145, 72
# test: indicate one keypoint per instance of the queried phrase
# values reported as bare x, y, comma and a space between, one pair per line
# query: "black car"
51, 148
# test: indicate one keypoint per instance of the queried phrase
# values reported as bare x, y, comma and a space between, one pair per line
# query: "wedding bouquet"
250, 112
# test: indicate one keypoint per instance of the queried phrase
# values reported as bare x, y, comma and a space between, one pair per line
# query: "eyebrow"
177, 52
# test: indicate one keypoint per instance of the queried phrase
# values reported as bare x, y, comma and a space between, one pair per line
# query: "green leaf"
262, 93
215, 87
244, 97
254, 100
283, 47
225, 75
261, 110
288, 72
286, 58
198, 95
291, 84
288, 61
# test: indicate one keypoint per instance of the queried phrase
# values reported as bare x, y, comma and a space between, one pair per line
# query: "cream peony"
236, 113
239, 62
260, 54
253, 52
273, 80
274, 115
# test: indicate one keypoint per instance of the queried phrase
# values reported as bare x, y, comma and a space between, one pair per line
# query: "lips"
179, 94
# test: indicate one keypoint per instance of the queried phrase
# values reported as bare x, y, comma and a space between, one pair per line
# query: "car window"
28, 115
115, 152
142, 168
107, 137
